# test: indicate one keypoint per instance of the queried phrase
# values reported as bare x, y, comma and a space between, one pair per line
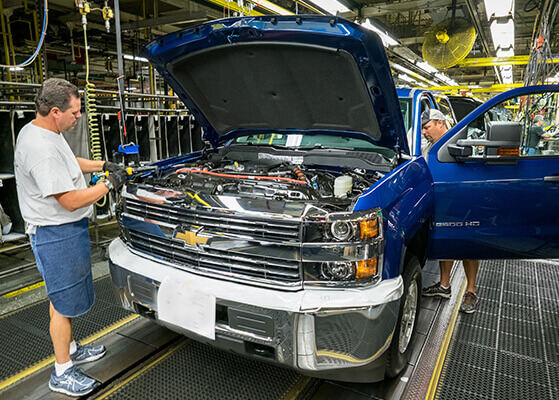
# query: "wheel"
400, 349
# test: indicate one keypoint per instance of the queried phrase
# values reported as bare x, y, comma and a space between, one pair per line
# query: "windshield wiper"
279, 146
319, 146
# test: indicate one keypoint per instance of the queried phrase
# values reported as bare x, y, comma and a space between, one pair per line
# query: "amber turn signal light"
508, 152
369, 228
366, 268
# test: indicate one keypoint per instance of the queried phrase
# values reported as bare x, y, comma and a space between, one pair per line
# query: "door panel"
487, 211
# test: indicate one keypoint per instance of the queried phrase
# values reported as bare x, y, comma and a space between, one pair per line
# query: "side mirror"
502, 145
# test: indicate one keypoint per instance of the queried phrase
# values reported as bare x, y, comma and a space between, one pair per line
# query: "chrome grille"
270, 269
212, 221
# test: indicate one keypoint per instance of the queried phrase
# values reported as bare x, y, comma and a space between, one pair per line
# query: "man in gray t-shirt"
56, 203
433, 127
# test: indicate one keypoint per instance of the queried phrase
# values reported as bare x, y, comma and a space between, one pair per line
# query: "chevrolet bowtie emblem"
190, 238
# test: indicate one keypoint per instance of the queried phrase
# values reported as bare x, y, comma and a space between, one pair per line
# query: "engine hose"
91, 109
237, 176
300, 175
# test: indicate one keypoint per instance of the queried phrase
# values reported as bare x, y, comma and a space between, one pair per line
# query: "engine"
272, 179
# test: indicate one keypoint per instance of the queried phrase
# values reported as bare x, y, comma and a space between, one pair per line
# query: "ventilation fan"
449, 42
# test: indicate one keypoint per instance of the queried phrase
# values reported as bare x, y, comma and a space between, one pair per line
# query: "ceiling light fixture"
501, 14
332, 6
410, 72
135, 58
406, 78
425, 66
446, 79
273, 7
502, 33
498, 8
387, 40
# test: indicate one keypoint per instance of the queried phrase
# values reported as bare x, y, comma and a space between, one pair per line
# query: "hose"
43, 34
91, 109
237, 176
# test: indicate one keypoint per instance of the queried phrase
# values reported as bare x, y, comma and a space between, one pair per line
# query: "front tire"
400, 349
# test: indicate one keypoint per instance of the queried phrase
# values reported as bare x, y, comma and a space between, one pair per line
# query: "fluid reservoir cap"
342, 185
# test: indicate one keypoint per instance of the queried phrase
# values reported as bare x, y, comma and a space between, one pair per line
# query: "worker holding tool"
55, 202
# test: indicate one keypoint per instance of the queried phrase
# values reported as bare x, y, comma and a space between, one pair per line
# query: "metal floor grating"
24, 334
196, 371
509, 348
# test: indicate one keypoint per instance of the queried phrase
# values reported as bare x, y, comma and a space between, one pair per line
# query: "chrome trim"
204, 256
409, 314
217, 274
332, 340
226, 329
267, 226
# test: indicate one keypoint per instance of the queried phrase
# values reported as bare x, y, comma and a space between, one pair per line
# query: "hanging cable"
540, 67
41, 40
91, 102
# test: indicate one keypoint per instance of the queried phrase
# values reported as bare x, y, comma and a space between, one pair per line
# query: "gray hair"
55, 92
538, 118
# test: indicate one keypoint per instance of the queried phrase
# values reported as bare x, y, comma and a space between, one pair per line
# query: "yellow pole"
4, 36
11, 47
39, 60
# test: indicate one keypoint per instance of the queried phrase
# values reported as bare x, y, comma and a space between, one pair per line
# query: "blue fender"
405, 196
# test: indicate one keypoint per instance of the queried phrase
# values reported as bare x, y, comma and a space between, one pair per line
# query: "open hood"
304, 74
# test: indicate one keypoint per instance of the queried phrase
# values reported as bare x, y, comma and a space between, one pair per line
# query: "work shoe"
72, 382
437, 290
85, 354
469, 303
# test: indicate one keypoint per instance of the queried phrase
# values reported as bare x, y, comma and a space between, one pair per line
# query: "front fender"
407, 202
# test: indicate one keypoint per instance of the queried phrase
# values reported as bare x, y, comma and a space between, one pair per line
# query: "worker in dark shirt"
535, 135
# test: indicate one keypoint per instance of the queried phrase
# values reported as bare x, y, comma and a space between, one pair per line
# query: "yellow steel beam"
5, 39
498, 61
265, 4
476, 89
233, 6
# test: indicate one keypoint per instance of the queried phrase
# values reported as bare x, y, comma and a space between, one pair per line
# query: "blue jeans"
63, 258
529, 151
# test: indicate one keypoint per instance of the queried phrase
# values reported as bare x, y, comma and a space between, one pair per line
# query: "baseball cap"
430, 114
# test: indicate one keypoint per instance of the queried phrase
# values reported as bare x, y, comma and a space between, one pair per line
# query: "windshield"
298, 141
405, 107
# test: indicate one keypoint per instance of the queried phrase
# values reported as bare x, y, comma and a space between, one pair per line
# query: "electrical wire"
540, 67
41, 40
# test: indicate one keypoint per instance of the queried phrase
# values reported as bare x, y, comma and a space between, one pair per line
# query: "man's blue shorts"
63, 256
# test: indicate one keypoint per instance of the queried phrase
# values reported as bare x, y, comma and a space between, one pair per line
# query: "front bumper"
334, 334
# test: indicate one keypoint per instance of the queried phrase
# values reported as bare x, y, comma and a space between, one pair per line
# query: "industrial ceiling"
406, 24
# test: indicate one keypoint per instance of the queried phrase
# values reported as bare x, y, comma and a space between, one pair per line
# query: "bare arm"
76, 199
88, 166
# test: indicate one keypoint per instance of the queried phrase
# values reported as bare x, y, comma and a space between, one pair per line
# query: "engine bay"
323, 177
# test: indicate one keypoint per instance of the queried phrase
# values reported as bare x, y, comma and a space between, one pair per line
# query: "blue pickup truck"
299, 235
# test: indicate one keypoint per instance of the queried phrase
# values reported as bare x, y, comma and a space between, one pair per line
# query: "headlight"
366, 270
342, 230
343, 249
347, 227
337, 271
